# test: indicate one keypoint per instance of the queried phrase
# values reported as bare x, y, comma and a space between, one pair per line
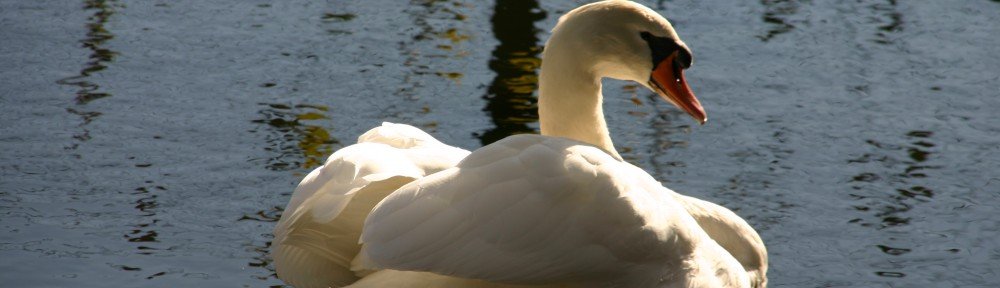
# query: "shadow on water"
99, 57
297, 145
511, 100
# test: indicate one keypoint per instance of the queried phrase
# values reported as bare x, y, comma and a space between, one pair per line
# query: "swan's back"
531, 209
317, 236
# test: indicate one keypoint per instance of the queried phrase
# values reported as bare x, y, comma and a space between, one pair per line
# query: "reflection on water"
424, 13
777, 13
663, 124
269, 215
144, 231
902, 167
892, 187
335, 17
511, 102
87, 117
295, 143
263, 260
262, 249
97, 35
889, 21
87, 91
781, 15
337, 20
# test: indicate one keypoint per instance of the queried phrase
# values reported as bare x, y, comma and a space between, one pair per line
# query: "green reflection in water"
97, 35
99, 57
511, 100
296, 143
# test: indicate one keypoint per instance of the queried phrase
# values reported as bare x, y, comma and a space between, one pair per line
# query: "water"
154, 143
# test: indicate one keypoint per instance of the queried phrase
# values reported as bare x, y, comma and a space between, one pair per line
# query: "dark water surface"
154, 143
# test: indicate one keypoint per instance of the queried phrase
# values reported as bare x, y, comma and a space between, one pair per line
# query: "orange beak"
668, 81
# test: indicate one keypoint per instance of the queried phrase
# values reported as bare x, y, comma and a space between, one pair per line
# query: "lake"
155, 143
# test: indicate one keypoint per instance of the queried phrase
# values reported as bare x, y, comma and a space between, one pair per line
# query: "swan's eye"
663, 47
645, 35
683, 58
659, 47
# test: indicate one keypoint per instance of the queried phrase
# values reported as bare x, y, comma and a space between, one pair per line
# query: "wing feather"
317, 236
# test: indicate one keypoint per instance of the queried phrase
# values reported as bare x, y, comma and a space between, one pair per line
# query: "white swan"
559, 210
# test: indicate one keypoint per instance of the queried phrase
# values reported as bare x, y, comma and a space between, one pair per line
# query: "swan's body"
554, 210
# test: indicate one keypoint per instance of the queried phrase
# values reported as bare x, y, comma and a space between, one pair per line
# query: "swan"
561, 209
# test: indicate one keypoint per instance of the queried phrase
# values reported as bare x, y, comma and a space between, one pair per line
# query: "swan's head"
628, 41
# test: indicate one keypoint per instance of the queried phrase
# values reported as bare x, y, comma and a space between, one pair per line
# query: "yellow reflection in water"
453, 35
510, 98
453, 76
295, 135
314, 146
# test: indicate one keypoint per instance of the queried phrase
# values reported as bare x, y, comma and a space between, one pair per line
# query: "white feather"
317, 236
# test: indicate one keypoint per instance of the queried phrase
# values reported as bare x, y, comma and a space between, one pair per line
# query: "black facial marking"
662, 47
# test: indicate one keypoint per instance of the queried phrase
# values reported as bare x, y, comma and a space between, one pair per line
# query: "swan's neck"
569, 100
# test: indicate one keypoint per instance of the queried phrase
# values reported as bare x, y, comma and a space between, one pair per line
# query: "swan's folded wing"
317, 236
525, 210
732, 233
